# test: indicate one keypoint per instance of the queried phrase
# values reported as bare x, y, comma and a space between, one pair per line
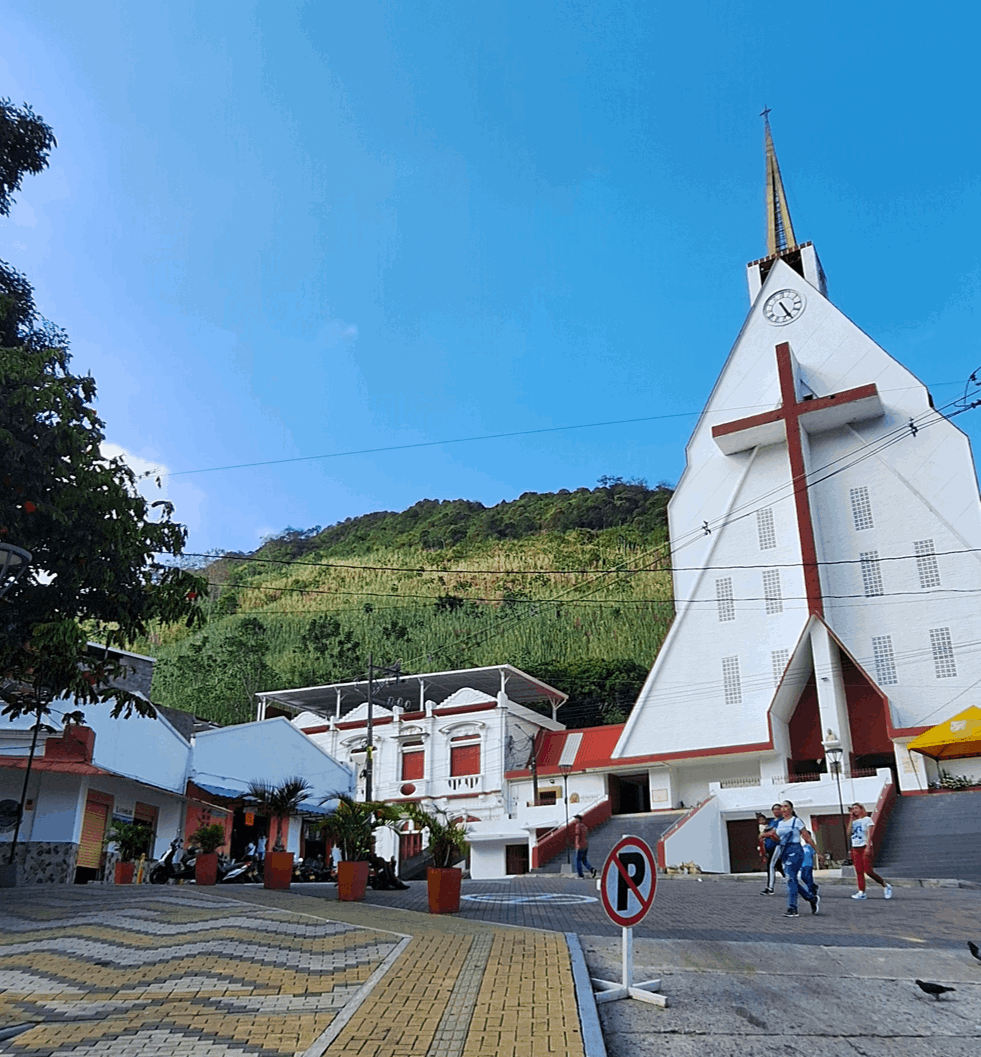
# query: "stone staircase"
649, 827
936, 835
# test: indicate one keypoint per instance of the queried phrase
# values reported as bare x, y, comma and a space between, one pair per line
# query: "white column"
832, 703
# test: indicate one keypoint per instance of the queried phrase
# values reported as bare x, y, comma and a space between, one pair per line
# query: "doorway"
744, 852
829, 837
630, 794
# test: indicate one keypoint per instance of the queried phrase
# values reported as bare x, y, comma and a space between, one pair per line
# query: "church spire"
779, 227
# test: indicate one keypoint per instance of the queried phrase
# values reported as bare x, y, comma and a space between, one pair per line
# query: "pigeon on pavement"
933, 989
973, 948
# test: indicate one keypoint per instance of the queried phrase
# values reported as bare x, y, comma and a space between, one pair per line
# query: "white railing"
463, 781
739, 783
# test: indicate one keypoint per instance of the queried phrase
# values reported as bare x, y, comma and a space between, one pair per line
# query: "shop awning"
953, 739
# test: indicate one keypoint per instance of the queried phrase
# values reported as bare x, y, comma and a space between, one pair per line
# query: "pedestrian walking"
770, 849
861, 836
580, 841
791, 832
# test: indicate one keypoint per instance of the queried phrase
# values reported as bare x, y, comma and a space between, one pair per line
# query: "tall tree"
96, 542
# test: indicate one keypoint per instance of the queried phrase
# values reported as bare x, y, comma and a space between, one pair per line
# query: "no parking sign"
629, 882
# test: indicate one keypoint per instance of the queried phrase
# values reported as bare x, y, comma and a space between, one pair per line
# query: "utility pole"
369, 766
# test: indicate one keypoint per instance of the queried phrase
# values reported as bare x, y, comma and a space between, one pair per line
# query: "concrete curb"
589, 1023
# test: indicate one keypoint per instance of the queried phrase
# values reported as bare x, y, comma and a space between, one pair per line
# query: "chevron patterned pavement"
120, 971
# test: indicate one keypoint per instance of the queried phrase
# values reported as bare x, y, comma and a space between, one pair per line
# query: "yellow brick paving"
457, 989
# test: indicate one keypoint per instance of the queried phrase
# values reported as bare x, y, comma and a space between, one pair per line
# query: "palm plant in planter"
208, 839
447, 845
351, 827
131, 840
279, 801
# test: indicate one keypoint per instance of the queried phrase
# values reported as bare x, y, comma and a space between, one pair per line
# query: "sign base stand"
645, 991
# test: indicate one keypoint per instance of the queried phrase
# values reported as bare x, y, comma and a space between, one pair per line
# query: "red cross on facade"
813, 415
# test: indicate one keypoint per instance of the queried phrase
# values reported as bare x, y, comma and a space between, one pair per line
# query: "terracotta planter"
444, 889
206, 868
125, 872
352, 881
277, 869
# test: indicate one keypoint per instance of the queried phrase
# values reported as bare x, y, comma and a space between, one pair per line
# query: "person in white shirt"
861, 837
791, 833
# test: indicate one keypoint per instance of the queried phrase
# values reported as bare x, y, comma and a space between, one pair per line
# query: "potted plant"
350, 827
448, 845
279, 801
207, 839
131, 840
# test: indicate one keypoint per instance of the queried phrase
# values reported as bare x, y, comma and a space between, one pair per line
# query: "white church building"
822, 534
822, 537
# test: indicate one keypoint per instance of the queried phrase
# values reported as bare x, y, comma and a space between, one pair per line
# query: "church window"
771, 592
779, 659
861, 508
723, 596
730, 681
764, 525
871, 573
943, 653
885, 662
926, 563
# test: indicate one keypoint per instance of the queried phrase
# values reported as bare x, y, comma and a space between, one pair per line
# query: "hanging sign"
250, 818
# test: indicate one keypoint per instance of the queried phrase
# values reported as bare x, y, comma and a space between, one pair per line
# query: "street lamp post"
834, 752
565, 768
13, 563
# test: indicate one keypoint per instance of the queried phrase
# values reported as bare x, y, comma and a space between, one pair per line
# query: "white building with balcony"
447, 738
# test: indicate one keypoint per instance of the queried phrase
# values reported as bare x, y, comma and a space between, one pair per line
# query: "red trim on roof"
42, 763
484, 706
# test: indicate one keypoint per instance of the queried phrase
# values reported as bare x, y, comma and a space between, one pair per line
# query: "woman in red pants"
862, 852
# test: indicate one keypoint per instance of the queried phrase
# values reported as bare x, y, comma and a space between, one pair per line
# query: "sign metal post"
627, 886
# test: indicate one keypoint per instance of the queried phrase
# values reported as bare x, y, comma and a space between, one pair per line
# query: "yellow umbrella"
953, 739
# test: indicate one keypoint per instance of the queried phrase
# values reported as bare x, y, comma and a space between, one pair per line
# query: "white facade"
888, 504
446, 738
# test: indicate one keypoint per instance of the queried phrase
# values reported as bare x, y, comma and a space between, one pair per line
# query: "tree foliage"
600, 691
219, 677
25, 144
96, 542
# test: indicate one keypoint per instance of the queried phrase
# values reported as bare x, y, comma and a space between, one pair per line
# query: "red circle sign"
629, 882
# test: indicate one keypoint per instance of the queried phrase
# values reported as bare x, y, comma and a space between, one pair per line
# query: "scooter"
243, 872
173, 867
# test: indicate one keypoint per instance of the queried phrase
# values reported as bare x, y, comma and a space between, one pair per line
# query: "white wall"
701, 840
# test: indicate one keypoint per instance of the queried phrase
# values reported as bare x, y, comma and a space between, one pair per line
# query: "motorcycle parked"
242, 872
311, 871
175, 865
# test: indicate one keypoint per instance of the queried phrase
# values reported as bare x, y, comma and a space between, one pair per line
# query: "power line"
616, 571
478, 437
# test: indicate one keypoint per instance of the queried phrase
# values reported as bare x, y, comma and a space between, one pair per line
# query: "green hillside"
570, 586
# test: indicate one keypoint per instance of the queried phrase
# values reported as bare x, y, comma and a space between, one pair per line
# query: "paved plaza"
238, 970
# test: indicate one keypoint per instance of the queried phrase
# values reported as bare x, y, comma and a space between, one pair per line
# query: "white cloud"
186, 497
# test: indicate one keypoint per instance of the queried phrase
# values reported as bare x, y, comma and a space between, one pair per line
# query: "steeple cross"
812, 415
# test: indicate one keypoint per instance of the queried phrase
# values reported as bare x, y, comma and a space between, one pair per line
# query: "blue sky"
277, 230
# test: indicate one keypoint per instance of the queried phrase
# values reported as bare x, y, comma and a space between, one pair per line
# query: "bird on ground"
973, 948
933, 989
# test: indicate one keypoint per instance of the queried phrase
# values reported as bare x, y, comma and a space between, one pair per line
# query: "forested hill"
570, 586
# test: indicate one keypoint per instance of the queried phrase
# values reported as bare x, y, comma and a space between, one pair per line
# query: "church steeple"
781, 242
779, 227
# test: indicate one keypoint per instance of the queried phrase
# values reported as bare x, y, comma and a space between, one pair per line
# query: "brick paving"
208, 973
238, 970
